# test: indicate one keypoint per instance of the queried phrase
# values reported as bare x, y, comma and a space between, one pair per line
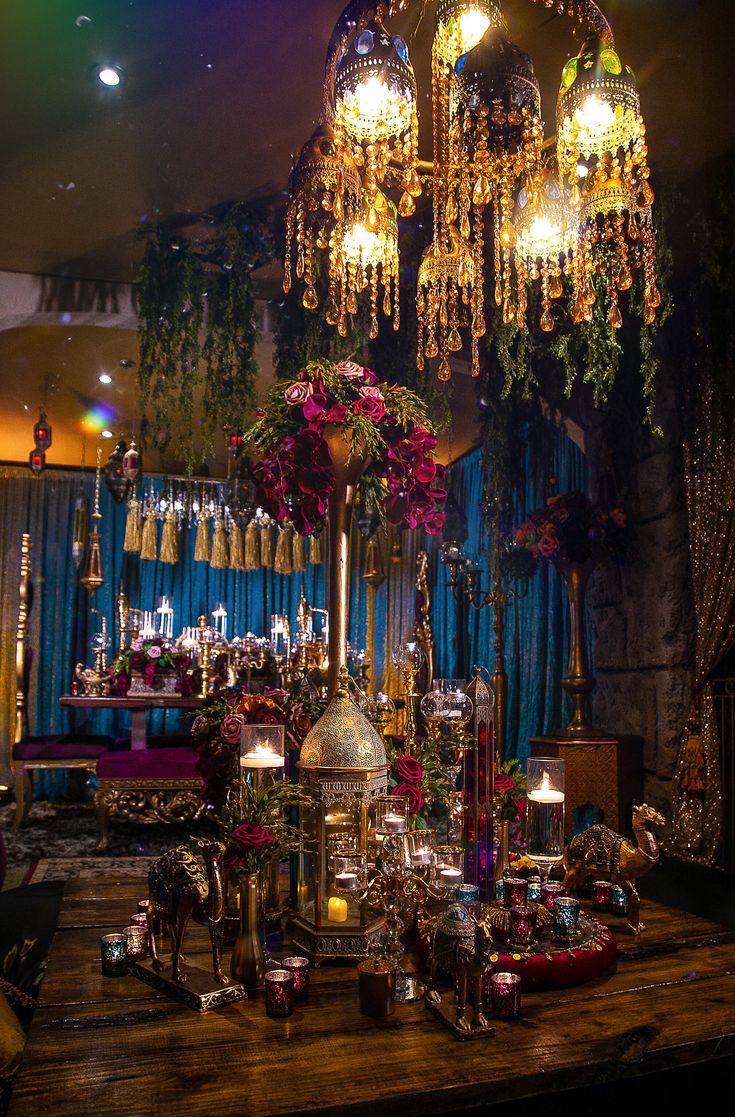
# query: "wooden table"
113, 1046
138, 704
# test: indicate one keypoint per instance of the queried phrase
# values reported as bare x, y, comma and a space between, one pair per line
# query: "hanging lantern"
366, 256
79, 534
37, 461
445, 282
116, 480
93, 577
543, 243
131, 462
235, 442
374, 573
42, 433
461, 25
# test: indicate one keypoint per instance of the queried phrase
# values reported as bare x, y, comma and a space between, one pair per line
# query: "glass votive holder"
349, 870
505, 989
448, 867
279, 993
601, 895
137, 941
522, 924
467, 893
618, 900
391, 815
300, 969
138, 920
549, 893
566, 916
515, 891
113, 950
534, 890
499, 889
419, 844
262, 746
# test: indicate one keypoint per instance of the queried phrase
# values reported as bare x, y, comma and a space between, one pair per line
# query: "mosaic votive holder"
549, 893
522, 924
137, 941
515, 891
534, 890
601, 895
505, 990
279, 993
467, 893
300, 968
618, 900
138, 920
113, 949
566, 916
499, 889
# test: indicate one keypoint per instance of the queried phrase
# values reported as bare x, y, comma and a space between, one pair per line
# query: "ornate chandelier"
507, 211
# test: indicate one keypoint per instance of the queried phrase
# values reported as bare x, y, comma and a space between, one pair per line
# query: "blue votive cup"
534, 890
114, 951
566, 916
499, 889
618, 900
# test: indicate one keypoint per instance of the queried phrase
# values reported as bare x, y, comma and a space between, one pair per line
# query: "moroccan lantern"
118, 484
131, 462
42, 432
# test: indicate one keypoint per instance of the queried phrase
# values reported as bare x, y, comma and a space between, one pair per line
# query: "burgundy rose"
336, 414
369, 376
251, 835
408, 768
137, 659
315, 405
411, 792
503, 784
373, 409
231, 727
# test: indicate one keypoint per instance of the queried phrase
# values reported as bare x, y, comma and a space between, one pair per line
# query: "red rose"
411, 792
251, 835
373, 409
409, 769
231, 727
548, 545
503, 784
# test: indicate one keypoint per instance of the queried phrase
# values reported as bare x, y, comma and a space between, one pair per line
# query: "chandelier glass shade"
507, 212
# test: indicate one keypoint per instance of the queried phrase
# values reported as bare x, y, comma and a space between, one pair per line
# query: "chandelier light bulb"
593, 119
473, 23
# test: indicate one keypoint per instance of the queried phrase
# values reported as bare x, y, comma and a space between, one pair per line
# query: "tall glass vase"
350, 462
248, 956
578, 682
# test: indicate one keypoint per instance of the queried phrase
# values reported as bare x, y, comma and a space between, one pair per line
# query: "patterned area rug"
105, 868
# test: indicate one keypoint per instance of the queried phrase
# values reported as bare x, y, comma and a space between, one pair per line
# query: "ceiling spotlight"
110, 76
105, 434
104, 378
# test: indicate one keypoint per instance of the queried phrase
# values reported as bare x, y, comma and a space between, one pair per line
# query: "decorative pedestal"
199, 991
162, 684
606, 772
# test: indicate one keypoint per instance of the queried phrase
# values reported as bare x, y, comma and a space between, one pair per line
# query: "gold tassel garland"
201, 544
218, 560
149, 540
315, 550
133, 528
169, 543
237, 561
283, 561
299, 553
266, 547
252, 547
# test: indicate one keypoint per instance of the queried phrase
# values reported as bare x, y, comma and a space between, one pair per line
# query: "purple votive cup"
278, 993
515, 891
506, 995
549, 893
601, 890
522, 924
301, 969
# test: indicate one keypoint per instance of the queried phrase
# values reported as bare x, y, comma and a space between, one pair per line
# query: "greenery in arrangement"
256, 821
197, 332
149, 658
510, 800
422, 778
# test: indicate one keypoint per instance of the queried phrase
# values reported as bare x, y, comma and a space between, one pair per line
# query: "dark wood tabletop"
129, 702
113, 1046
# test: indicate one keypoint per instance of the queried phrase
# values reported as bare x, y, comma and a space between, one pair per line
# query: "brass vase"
350, 461
248, 956
578, 682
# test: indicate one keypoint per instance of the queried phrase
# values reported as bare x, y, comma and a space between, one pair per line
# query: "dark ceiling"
219, 93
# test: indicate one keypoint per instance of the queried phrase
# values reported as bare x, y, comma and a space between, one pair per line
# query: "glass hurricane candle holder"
601, 890
279, 993
137, 941
349, 871
142, 906
419, 846
545, 812
448, 867
515, 891
505, 991
262, 747
618, 900
390, 815
549, 893
566, 916
113, 950
300, 968
522, 924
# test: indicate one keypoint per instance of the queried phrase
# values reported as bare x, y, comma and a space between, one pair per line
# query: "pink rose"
297, 394
350, 369
230, 728
548, 545
137, 644
154, 652
369, 392
373, 409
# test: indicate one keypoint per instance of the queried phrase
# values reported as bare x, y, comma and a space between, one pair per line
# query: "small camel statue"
460, 946
601, 853
180, 888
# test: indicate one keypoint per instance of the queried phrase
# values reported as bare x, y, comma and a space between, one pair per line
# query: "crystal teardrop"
454, 341
615, 318
406, 206
414, 187
507, 234
464, 227
287, 281
431, 348
653, 295
444, 372
352, 303
310, 300
623, 279
481, 192
649, 314
645, 194
555, 287
373, 328
547, 321
332, 313
508, 312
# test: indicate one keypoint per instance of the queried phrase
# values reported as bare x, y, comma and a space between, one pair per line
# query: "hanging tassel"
237, 561
266, 546
315, 550
133, 528
169, 543
218, 560
201, 544
299, 553
283, 561
149, 541
252, 548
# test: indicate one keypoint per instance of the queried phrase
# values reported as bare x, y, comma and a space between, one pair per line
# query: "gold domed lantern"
343, 765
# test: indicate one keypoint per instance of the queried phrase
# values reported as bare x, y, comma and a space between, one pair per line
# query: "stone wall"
643, 647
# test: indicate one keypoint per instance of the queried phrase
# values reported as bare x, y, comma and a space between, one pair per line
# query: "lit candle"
450, 875
346, 880
337, 910
546, 793
394, 823
421, 857
262, 757
506, 995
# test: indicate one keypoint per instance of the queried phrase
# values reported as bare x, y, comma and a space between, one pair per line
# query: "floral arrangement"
256, 821
572, 528
150, 658
295, 476
509, 782
217, 727
421, 778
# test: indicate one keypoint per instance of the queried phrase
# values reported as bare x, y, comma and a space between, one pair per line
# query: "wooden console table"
138, 705
114, 1046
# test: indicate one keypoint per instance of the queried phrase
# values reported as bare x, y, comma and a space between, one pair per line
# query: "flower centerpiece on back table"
574, 534
150, 664
336, 426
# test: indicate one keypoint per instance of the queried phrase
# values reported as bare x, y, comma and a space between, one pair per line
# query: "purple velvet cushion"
149, 764
54, 749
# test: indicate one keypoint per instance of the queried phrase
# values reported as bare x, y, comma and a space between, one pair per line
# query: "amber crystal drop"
454, 341
444, 372
615, 318
555, 287
352, 303
310, 300
431, 348
406, 206
547, 321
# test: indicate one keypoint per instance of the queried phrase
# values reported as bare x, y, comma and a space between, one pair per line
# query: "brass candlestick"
408, 658
93, 577
204, 644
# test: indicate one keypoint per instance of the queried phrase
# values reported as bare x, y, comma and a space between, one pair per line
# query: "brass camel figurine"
461, 946
601, 853
180, 888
